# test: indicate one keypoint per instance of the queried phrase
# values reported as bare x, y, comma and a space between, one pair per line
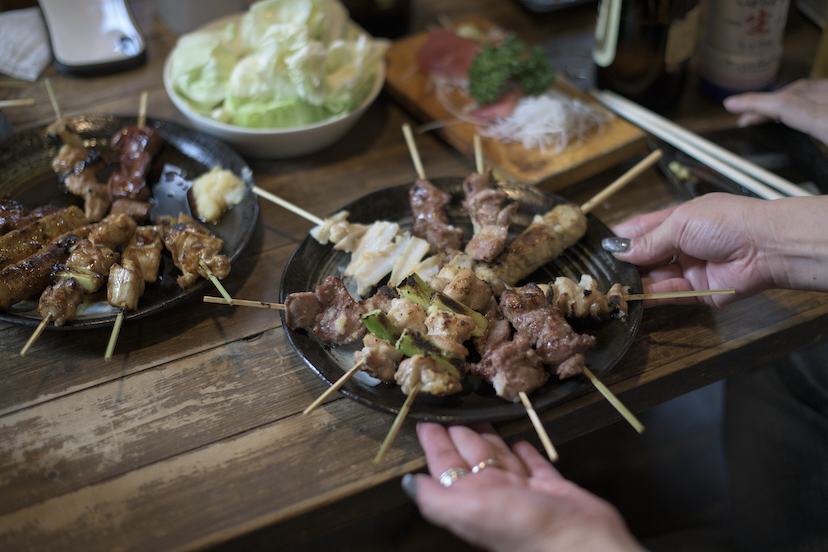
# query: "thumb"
654, 247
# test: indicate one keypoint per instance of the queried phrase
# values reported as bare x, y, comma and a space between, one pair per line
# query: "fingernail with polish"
616, 245
409, 485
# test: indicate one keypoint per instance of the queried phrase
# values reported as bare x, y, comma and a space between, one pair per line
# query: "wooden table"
193, 434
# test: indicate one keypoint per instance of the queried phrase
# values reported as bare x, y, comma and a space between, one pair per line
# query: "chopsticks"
753, 177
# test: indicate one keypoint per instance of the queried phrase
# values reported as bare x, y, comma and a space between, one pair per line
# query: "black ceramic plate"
312, 262
27, 177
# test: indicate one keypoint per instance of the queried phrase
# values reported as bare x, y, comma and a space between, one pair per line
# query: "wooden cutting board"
552, 171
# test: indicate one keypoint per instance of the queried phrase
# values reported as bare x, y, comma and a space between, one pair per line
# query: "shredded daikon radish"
549, 122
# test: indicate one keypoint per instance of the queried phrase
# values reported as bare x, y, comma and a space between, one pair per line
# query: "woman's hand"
721, 241
802, 105
523, 505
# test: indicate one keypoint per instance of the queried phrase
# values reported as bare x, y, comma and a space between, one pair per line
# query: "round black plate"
26, 176
312, 262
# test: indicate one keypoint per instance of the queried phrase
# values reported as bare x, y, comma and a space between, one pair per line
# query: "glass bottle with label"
642, 49
741, 46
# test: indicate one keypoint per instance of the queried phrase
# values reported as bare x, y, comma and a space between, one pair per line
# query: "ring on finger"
451, 475
491, 462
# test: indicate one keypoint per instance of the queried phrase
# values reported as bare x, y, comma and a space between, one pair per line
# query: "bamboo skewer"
412, 149
541, 431
244, 303
13, 84
622, 181
395, 427
17, 103
678, 294
478, 154
216, 282
116, 329
287, 205
142, 110
53, 99
337, 384
36, 334
619, 406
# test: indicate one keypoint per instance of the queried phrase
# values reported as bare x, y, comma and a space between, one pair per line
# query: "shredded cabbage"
285, 63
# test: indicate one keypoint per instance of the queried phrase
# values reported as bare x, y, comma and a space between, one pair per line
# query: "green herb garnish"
512, 63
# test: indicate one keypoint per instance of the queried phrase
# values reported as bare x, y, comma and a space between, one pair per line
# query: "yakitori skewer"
13, 84
53, 99
413, 151
330, 390
17, 103
395, 427
541, 431
36, 334
622, 181
244, 303
212, 277
119, 318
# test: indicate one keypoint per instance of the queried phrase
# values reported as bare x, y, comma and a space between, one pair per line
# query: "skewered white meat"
145, 246
125, 284
583, 299
379, 358
406, 314
190, 244
434, 376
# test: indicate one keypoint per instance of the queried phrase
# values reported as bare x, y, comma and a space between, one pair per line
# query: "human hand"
802, 105
524, 505
725, 241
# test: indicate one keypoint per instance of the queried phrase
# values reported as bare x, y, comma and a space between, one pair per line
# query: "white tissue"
24, 44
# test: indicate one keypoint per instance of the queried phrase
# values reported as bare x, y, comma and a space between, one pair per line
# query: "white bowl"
275, 143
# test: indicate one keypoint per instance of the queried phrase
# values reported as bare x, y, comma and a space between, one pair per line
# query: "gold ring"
485, 464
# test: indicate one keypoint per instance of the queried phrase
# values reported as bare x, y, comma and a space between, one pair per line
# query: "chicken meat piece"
125, 285
145, 246
436, 380
60, 301
95, 196
449, 331
379, 358
490, 219
112, 231
330, 312
406, 314
191, 244
470, 290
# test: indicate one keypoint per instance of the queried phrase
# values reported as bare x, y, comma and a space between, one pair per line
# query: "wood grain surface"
193, 434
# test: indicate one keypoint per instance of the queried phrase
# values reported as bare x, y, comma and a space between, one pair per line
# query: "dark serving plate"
312, 262
26, 176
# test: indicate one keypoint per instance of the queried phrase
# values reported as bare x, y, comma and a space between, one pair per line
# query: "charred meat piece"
435, 378
470, 290
145, 246
330, 312
138, 210
125, 285
544, 240
14, 216
544, 326
584, 299
490, 219
112, 231
449, 331
29, 277
406, 314
512, 366
341, 321
136, 147
190, 245
60, 301
23, 242
95, 195
379, 358
428, 205
381, 299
